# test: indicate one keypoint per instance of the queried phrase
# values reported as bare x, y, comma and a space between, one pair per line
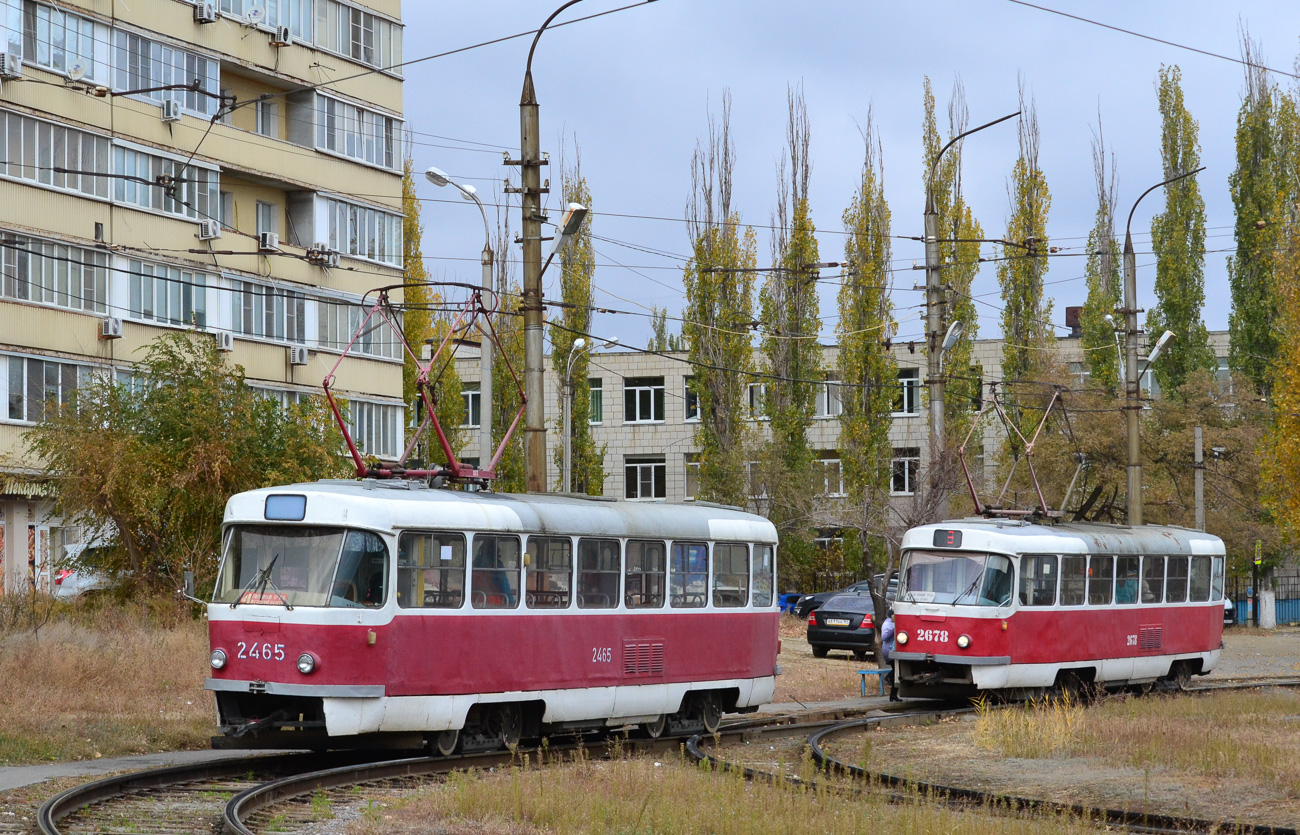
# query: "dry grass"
1244, 734
807, 679
644, 795
104, 681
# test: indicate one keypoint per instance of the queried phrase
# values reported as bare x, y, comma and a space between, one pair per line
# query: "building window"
268, 218
57, 40
139, 64
258, 310
1081, 373
227, 203
757, 400
908, 399
167, 294
296, 14
49, 273
31, 149
1223, 375
645, 478
361, 134
832, 480
692, 400
643, 400
193, 193
597, 387
828, 403
906, 466
364, 233
268, 114
473, 398
692, 477
337, 323
38, 388
376, 427
358, 35
754, 478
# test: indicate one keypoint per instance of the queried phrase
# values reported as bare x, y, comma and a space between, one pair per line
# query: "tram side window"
496, 572
1153, 579
431, 570
550, 572
646, 569
1200, 579
1216, 581
1038, 580
730, 575
1176, 582
598, 570
763, 575
1126, 579
1101, 580
362, 578
1074, 573
689, 581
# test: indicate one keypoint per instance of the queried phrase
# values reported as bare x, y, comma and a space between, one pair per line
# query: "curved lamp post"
440, 179
1132, 392
579, 347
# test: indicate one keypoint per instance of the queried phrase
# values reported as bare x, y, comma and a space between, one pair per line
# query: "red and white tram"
385, 612
1017, 607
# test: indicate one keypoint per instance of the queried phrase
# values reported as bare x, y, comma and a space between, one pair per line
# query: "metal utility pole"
530, 176
1200, 483
935, 305
1132, 385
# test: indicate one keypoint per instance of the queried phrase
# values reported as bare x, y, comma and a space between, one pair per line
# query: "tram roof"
397, 505
1023, 537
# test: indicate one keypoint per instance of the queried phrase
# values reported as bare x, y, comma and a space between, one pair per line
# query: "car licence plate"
837, 621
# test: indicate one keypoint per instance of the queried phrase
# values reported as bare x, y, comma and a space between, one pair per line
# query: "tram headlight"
963, 641
217, 659
306, 663
900, 638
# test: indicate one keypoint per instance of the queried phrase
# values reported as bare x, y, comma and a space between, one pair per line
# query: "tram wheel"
1182, 675
710, 713
656, 728
446, 743
510, 724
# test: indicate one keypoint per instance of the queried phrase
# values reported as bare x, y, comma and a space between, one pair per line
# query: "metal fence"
1287, 607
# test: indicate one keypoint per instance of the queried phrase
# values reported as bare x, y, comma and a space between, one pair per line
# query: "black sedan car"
810, 602
843, 622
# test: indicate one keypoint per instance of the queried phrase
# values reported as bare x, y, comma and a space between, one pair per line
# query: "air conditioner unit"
110, 327
171, 111
205, 12
209, 230
11, 66
225, 341
282, 36
297, 355
268, 242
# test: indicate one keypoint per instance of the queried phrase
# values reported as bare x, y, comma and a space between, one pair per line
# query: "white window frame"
168, 64
337, 320
828, 403
376, 428
756, 400
268, 217
909, 458
88, 42
832, 490
343, 217
268, 118
633, 388
252, 303
690, 401
692, 478
51, 273
472, 395
34, 147
167, 294
909, 383
642, 465
358, 133
751, 479
82, 372
596, 399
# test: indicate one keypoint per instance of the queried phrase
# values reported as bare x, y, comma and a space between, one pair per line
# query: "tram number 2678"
602, 655
940, 635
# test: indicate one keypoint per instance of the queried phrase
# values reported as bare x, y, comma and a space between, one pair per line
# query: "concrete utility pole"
935, 305
1132, 385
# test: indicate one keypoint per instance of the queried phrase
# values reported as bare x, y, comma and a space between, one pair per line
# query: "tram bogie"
346, 610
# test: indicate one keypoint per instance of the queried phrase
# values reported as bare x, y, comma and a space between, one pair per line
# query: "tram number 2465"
265, 652
602, 655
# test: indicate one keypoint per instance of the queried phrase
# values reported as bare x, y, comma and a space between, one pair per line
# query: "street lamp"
440, 179
934, 312
1132, 394
578, 348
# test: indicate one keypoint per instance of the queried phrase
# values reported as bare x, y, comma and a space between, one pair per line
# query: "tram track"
287, 792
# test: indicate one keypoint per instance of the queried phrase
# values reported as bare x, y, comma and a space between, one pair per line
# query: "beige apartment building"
130, 205
646, 416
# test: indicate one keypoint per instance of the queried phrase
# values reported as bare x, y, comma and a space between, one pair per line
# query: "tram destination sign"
947, 539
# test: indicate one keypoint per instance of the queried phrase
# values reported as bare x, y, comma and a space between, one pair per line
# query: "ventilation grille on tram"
1149, 637
643, 659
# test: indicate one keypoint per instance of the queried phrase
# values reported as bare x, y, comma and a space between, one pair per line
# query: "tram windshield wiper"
973, 586
261, 580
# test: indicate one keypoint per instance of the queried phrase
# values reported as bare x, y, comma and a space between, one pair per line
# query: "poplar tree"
789, 318
1255, 189
1026, 315
718, 314
959, 247
577, 266
1102, 273
866, 364
1178, 238
660, 337
507, 365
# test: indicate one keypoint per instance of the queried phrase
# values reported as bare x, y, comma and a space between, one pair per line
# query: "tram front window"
955, 577
275, 565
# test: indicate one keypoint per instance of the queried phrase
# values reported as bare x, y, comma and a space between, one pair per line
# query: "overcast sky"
634, 90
